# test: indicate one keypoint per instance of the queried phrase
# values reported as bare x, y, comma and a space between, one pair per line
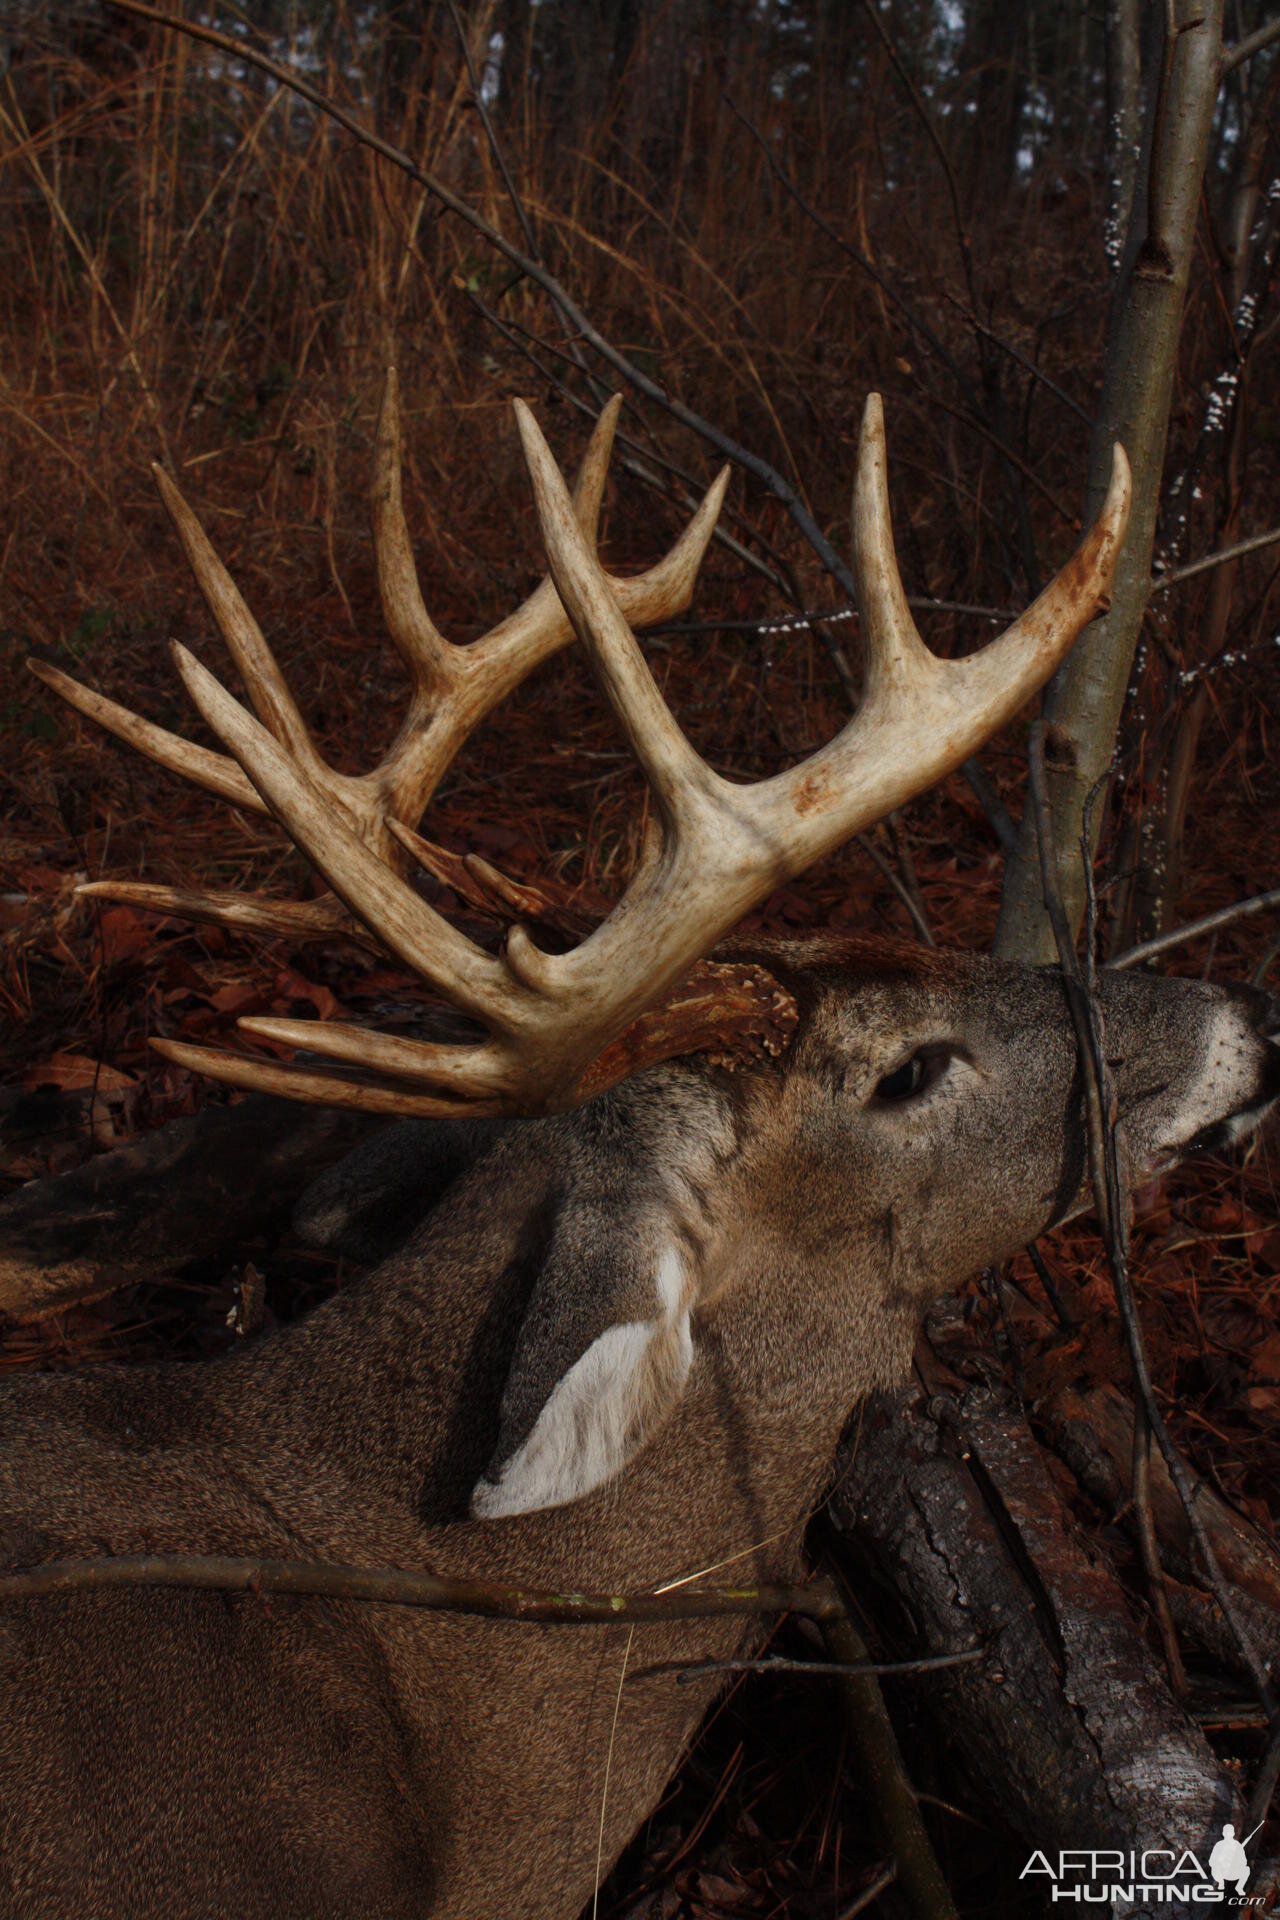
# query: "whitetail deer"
620, 1354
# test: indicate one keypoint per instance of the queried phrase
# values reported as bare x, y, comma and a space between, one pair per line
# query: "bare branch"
1207, 923
1111, 1202
1189, 572
686, 1671
1252, 43
402, 1587
920, 1878
883, 868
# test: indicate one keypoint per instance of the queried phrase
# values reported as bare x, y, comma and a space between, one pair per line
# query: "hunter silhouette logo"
1156, 1876
1227, 1861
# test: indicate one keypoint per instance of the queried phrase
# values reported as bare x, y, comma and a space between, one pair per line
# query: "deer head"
766, 1252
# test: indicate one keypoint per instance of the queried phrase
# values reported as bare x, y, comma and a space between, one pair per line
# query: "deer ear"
568, 1426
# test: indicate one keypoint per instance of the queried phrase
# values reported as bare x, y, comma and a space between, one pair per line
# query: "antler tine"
893, 652
669, 763
1010, 668
922, 716
540, 626
392, 911
588, 488
666, 589
321, 1088
264, 682
467, 1071
426, 653
535, 629
293, 919
485, 887
469, 681
212, 771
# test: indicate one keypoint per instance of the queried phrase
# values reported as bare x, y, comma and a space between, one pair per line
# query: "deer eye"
913, 1076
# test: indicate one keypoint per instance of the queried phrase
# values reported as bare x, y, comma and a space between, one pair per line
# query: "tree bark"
943, 1493
1085, 698
1124, 121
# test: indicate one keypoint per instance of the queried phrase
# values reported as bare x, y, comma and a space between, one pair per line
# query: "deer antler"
553, 1022
454, 687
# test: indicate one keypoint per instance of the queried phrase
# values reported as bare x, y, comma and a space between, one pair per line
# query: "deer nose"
1265, 1010
1269, 1029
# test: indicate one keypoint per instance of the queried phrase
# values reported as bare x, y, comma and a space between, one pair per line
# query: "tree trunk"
1085, 697
1124, 121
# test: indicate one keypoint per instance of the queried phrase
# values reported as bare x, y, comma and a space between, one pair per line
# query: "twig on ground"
1149, 1547
932, 1663
996, 1288
1064, 1318
405, 1587
869, 1895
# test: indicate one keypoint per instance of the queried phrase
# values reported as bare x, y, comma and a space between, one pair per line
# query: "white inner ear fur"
603, 1409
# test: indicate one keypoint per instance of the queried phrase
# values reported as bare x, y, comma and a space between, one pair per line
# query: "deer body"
750, 1256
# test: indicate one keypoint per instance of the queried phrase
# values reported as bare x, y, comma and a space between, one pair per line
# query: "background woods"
1034, 229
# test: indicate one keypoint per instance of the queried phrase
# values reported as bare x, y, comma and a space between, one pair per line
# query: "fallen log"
946, 1503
